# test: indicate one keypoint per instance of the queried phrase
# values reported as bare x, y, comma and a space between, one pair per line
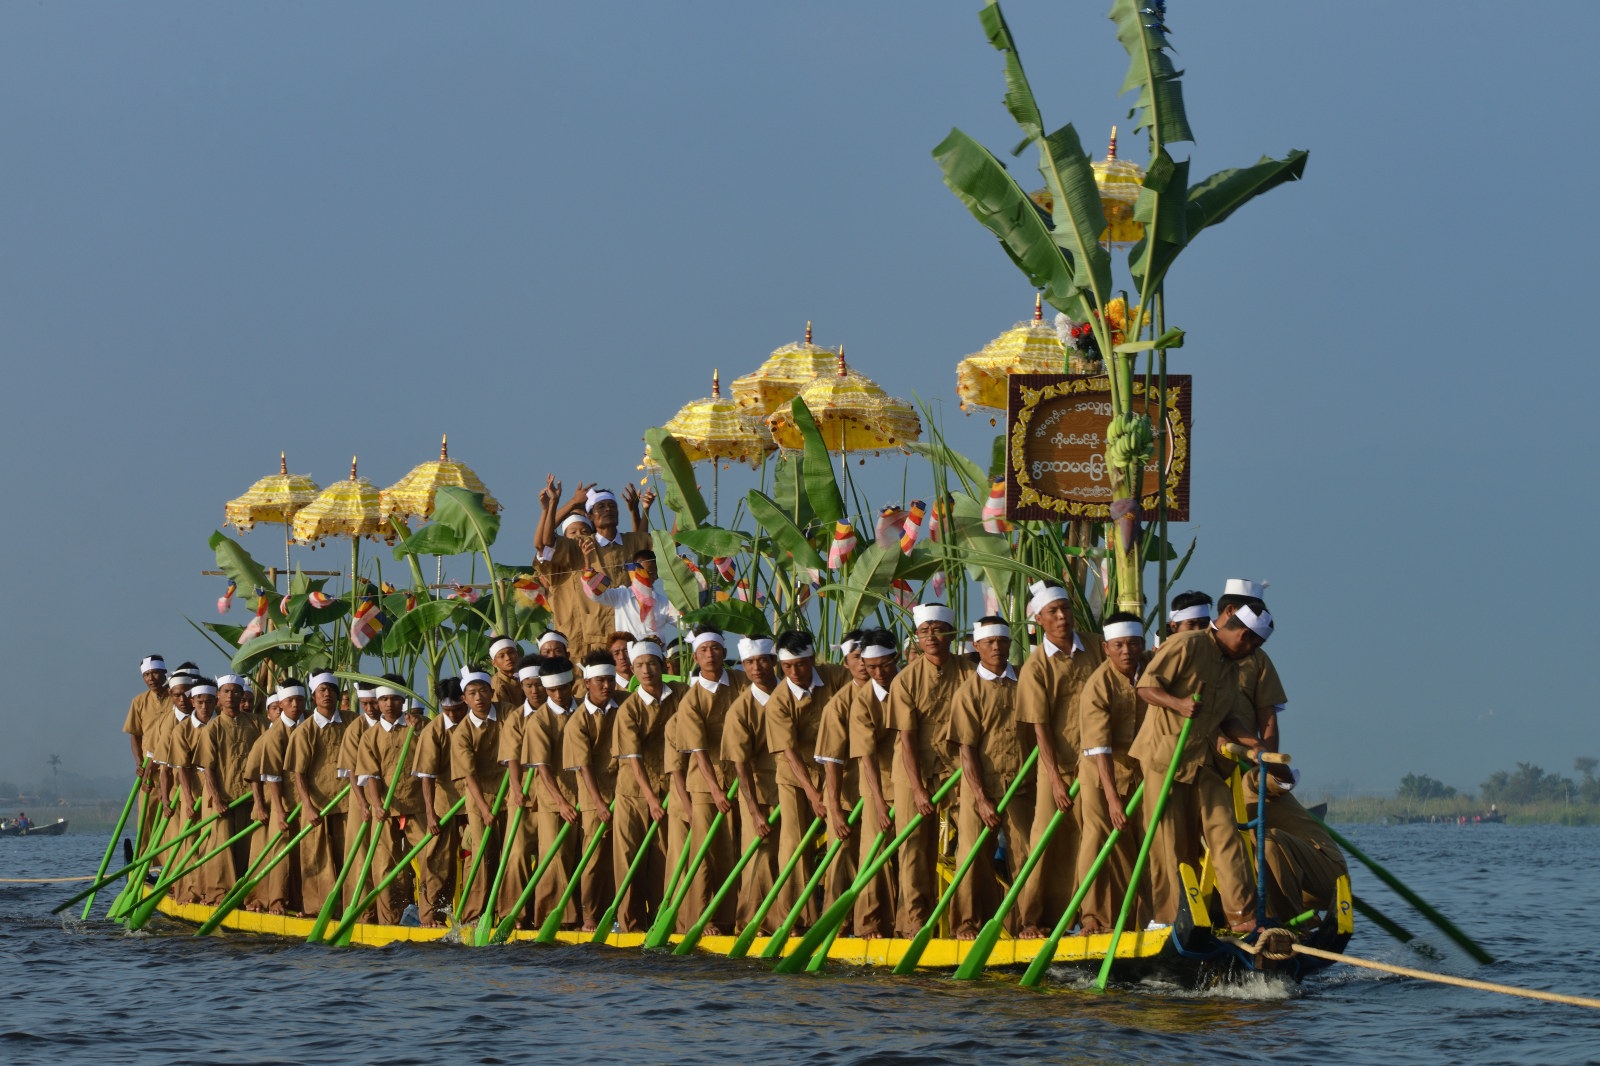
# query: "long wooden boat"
1188, 951
49, 829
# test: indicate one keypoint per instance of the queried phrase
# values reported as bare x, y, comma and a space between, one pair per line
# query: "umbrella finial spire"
283, 463
1111, 150
808, 331
1038, 307
841, 360
352, 468
444, 447
716, 385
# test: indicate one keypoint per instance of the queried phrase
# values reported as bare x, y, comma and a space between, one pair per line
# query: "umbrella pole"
716, 468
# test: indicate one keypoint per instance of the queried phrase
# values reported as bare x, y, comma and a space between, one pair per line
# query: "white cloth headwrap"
230, 679
1043, 596
572, 520
385, 690
1189, 614
993, 629
203, 690
607, 670
525, 672
877, 651
180, 680
1118, 630
556, 680
152, 662
324, 677
469, 676
1243, 586
637, 648
848, 646
807, 652
1259, 624
272, 697
291, 690
932, 612
707, 638
750, 647
597, 496
500, 645
552, 636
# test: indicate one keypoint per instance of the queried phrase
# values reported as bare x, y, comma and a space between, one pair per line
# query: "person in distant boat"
23, 821
872, 745
919, 710
587, 751
1258, 678
1195, 676
1190, 610
988, 740
1110, 714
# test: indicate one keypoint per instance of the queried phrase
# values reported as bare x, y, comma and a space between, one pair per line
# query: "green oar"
111, 845
372, 833
780, 935
165, 812
835, 915
147, 906
480, 936
1440, 921
243, 888
552, 921
983, 945
509, 922
1144, 854
1382, 921
105, 879
919, 943
602, 928
342, 932
1047, 951
483, 845
336, 893
138, 909
661, 930
742, 945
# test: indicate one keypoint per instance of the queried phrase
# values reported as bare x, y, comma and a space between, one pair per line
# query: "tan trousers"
641, 899
978, 896
520, 854
918, 883
760, 873
1196, 812
794, 820
321, 856
1054, 879
719, 863
678, 843
553, 882
216, 877
476, 895
596, 884
438, 861
394, 840
875, 906
1103, 901
279, 889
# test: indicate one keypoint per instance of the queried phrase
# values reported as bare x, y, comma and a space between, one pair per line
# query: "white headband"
526, 672
553, 637
230, 679
597, 496
500, 645
932, 612
1043, 596
364, 690
290, 691
1189, 614
384, 690
450, 701
637, 648
1243, 586
153, 662
469, 676
326, 677
203, 690
877, 651
993, 629
180, 680
599, 671
556, 680
272, 698
707, 638
807, 652
572, 520
1118, 630
848, 646
1259, 624
751, 647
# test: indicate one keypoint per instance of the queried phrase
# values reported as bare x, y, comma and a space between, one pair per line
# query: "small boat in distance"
49, 829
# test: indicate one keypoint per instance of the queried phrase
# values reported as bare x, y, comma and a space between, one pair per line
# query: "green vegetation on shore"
1528, 795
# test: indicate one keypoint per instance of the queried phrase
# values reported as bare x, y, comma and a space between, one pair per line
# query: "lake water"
81, 992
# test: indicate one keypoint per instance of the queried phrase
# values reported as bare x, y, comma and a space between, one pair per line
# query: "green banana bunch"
1129, 440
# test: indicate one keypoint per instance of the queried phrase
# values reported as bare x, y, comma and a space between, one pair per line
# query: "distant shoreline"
1371, 810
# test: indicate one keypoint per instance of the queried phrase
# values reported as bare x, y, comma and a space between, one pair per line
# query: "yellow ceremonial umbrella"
780, 379
1119, 182
1026, 348
715, 428
413, 495
348, 508
273, 499
852, 413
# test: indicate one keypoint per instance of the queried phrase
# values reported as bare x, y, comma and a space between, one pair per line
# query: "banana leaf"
923, 562
716, 541
786, 536
462, 512
997, 457
1150, 70
245, 572
1162, 207
1019, 94
262, 647
822, 488
1077, 216
734, 615
1223, 193
982, 183
788, 488
409, 627
432, 539
682, 589
936, 451
871, 573
678, 489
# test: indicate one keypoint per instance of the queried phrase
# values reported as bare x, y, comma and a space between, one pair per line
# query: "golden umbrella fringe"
273, 499
715, 428
1026, 348
1119, 182
853, 414
780, 379
414, 494
344, 509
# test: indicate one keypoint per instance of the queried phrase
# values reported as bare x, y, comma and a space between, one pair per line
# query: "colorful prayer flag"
902, 594
258, 624
994, 509
463, 592
699, 578
936, 584
890, 521
529, 592
225, 601
367, 625
913, 526
594, 581
724, 567
639, 584
844, 545
991, 599
318, 600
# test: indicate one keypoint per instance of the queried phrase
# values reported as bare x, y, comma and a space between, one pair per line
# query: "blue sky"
347, 228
